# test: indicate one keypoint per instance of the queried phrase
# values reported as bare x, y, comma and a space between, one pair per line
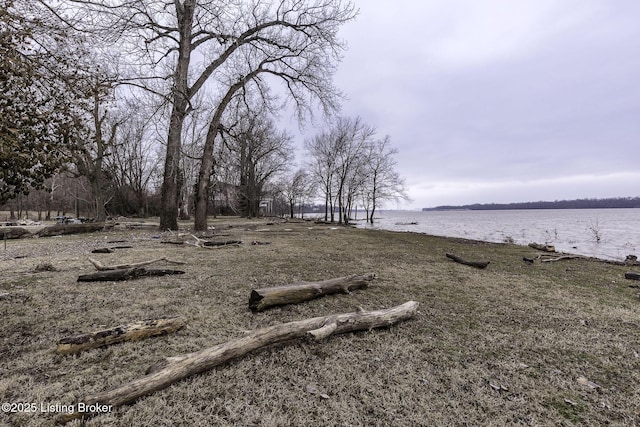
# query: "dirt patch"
514, 343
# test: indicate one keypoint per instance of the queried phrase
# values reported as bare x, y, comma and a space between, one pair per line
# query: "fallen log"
224, 243
13, 232
174, 369
544, 248
61, 229
125, 274
261, 299
213, 244
476, 264
131, 332
632, 275
100, 267
109, 250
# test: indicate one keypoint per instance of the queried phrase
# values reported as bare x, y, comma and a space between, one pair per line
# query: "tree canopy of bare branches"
222, 46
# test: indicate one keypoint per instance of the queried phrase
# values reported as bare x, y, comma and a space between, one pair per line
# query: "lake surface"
569, 230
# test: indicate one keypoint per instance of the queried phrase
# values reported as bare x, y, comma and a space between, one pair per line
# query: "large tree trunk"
131, 332
261, 299
174, 369
170, 191
207, 163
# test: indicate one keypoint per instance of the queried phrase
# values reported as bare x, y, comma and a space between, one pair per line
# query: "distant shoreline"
611, 203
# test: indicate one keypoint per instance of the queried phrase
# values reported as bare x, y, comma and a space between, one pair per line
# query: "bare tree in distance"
350, 138
350, 163
221, 46
297, 189
383, 180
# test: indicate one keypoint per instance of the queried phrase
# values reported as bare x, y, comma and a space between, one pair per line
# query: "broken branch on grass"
544, 248
100, 267
476, 264
177, 368
261, 299
543, 258
131, 332
125, 274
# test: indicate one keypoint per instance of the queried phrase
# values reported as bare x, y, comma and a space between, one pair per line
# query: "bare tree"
132, 165
323, 158
101, 137
293, 41
297, 189
350, 138
260, 152
383, 181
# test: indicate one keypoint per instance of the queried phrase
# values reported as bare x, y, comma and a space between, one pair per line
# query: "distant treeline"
621, 202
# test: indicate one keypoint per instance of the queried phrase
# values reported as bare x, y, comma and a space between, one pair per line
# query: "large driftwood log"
131, 332
100, 267
125, 274
261, 299
60, 229
213, 244
13, 232
174, 369
544, 248
476, 264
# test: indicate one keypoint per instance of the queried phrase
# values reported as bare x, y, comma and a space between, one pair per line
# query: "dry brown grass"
500, 346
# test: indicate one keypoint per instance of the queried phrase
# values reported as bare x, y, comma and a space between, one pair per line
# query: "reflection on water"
603, 233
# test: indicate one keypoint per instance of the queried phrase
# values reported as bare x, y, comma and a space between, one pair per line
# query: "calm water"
569, 230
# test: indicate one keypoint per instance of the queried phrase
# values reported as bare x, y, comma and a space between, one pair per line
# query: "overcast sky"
500, 100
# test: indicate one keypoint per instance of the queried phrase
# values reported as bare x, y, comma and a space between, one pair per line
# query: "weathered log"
125, 274
100, 267
632, 275
544, 248
476, 264
261, 299
131, 332
174, 369
102, 251
13, 232
213, 244
60, 229
109, 250
223, 243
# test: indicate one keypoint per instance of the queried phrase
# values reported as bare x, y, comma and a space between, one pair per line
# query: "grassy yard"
513, 344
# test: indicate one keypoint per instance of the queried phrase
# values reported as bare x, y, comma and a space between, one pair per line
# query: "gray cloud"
497, 99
